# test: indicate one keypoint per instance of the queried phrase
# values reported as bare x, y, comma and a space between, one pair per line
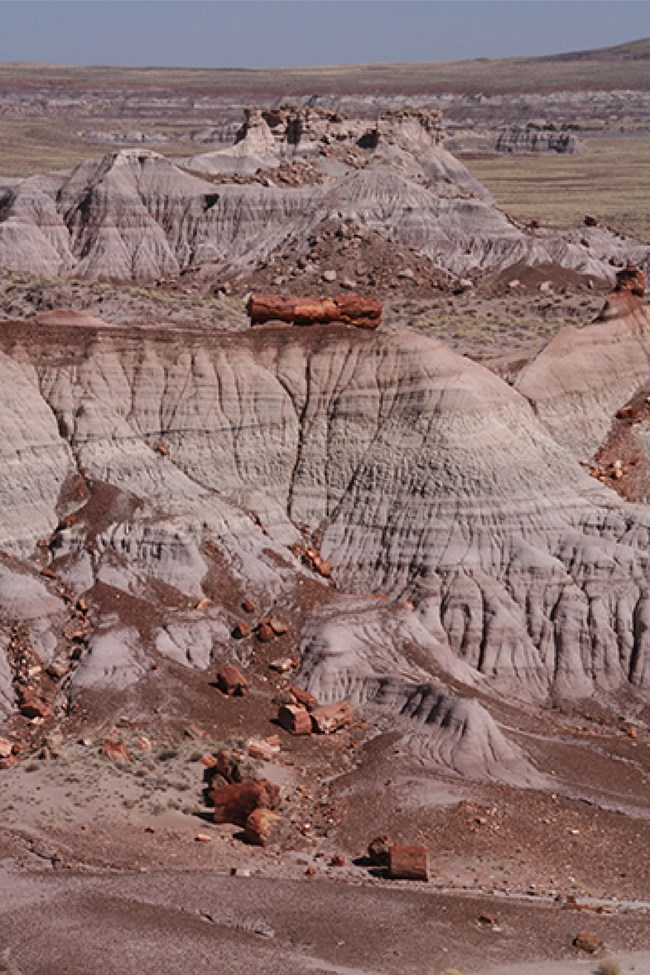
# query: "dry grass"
608, 966
40, 146
624, 67
609, 181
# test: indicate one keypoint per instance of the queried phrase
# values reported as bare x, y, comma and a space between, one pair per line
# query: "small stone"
115, 749
231, 681
263, 749
264, 632
202, 838
587, 941
302, 697
282, 664
337, 861
5, 748
57, 669
488, 919
248, 605
241, 630
329, 276
378, 850
278, 626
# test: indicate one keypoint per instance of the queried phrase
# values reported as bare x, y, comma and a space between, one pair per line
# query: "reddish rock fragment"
408, 863
263, 826
587, 941
378, 850
264, 632
295, 719
33, 706
347, 309
278, 626
115, 748
231, 681
282, 664
631, 279
6, 748
241, 630
331, 717
304, 698
263, 749
235, 802
248, 606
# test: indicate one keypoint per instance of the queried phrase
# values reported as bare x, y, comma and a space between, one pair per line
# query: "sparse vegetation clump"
608, 966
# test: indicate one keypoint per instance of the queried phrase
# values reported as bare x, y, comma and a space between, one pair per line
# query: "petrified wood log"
295, 719
349, 309
408, 863
331, 717
231, 681
234, 803
263, 826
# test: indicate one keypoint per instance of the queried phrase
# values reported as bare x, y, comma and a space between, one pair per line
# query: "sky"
289, 33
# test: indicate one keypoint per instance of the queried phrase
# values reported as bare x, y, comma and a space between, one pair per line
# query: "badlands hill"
135, 216
202, 529
139, 457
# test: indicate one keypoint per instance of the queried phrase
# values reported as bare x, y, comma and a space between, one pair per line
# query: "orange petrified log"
349, 309
234, 803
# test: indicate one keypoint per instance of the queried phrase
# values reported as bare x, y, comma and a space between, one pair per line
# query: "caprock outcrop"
135, 216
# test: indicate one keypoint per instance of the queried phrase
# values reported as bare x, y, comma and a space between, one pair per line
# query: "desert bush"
608, 966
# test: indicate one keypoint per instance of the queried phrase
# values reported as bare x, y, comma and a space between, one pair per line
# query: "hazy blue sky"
271, 33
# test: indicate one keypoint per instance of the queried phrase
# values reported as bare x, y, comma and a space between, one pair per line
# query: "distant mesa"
533, 138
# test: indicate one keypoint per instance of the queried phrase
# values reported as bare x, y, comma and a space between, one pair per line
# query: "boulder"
408, 863
263, 826
233, 803
295, 719
231, 681
378, 850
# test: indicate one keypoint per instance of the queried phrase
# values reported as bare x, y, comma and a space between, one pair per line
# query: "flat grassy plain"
610, 182
41, 145
606, 69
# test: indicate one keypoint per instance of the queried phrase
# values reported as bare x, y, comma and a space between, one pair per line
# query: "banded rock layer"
135, 216
424, 476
